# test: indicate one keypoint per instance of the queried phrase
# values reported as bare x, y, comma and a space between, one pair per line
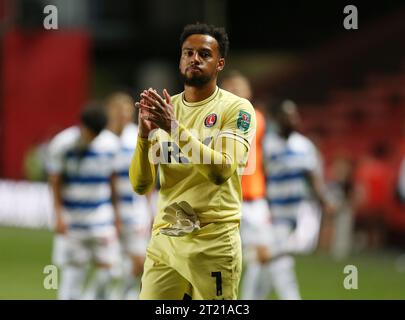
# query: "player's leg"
72, 279
134, 243
265, 286
213, 261
254, 232
160, 281
278, 272
342, 241
250, 281
250, 264
305, 237
106, 255
74, 269
59, 250
133, 283
302, 239
283, 278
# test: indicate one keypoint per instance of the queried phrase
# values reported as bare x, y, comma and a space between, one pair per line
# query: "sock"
99, 285
131, 287
250, 280
116, 283
264, 284
71, 284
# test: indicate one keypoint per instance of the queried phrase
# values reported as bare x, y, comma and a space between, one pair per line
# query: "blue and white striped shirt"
286, 164
86, 173
131, 205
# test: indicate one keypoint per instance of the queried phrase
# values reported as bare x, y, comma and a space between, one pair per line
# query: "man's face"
86, 136
200, 60
120, 113
289, 118
239, 86
127, 115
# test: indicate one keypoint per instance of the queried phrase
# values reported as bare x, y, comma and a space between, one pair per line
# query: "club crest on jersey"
243, 121
210, 120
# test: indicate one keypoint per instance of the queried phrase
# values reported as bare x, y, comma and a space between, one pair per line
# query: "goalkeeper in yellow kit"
199, 141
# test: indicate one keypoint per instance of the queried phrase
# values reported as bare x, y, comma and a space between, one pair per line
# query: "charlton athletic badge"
243, 121
210, 120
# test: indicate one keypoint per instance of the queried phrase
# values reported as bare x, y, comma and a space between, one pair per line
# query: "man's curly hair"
218, 33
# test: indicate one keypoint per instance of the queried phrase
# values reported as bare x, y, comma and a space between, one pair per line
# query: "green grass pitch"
24, 253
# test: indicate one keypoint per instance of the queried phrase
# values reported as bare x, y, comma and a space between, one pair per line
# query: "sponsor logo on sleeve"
243, 122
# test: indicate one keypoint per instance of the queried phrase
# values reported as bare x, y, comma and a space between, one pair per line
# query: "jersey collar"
199, 103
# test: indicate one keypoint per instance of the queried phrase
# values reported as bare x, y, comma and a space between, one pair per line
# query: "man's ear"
221, 64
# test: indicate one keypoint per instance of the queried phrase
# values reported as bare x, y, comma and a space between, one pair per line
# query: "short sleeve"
117, 154
311, 160
116, 161
58, 147
54, 162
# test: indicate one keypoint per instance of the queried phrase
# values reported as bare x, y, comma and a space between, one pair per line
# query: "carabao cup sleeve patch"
243, 121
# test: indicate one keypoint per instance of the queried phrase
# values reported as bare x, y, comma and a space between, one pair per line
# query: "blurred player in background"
133, 209
295, 192
255, 211
373, 179
201, 149
341, 194
82, 177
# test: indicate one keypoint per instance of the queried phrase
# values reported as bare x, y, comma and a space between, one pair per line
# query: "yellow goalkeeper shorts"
203, 265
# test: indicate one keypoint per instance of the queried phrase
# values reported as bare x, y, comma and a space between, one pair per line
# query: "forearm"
318, 188
57, 208
114, 197
320, 195
217, 164
142, 172
55, 183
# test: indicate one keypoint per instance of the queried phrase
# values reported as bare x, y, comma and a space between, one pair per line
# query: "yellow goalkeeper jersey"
196, 179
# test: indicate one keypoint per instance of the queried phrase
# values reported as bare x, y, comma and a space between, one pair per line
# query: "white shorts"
134, 240
136, 228
59, 247
255, 222
81, 249
302, 238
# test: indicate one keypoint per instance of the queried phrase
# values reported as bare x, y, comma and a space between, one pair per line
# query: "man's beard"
197, 81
